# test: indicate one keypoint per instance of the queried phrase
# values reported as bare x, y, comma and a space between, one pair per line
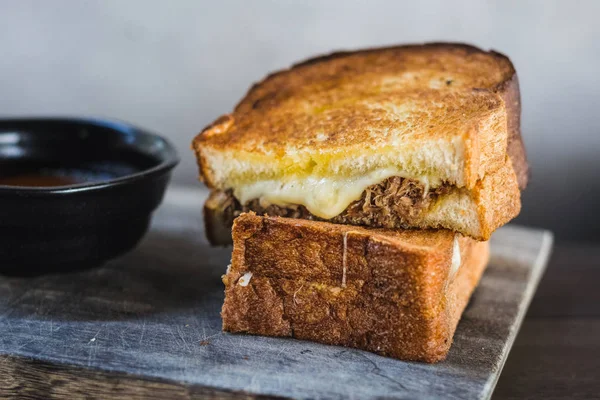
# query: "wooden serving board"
148, 325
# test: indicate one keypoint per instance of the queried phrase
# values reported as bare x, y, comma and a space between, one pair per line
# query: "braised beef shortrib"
391, 203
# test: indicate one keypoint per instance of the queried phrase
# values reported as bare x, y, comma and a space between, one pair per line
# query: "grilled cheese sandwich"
313, 141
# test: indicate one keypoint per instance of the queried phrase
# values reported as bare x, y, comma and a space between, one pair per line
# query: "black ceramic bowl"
105, 180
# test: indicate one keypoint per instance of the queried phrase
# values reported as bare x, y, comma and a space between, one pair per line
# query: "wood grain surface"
557, 352
30, 378
148, 325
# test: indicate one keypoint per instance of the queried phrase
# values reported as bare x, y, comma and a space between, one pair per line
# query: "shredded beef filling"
393, 203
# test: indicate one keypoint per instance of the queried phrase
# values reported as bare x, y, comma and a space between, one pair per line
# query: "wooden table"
557, 352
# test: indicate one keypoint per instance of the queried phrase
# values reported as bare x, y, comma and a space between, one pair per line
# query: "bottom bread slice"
396, 293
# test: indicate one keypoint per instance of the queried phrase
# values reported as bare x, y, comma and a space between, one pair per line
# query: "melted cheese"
454, 263
325, 197
245, 279
456, 260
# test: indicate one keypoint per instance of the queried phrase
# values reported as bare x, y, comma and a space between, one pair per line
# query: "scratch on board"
93, 348
205, 341
283, 349
12, 305
7, 322
211, 336
182, 338
48, 344
26, 344
143, 331
172, 334
122, 336
254, 384
377, 371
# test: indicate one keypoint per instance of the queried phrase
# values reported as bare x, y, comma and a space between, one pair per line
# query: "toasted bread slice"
396, 293
494, 201
437, 112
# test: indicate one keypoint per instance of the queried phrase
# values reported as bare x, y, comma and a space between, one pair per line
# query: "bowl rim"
168, 153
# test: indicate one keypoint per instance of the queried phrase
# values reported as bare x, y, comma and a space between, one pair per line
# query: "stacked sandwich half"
360, 189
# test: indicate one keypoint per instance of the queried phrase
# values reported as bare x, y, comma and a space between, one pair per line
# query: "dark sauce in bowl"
50, 173
75, 193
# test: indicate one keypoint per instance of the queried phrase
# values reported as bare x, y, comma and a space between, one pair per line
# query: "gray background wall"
174, 66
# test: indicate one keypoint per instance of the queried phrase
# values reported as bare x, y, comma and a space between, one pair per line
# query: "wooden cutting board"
148, 325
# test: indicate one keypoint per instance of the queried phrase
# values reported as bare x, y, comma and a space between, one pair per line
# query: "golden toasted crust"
394, 294
331, 107
511, 95
498, 200
493, 202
